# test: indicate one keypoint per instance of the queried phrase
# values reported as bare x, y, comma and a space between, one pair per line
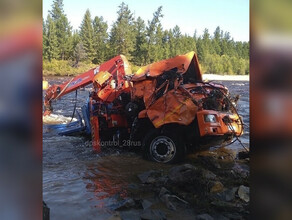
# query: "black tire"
165, 147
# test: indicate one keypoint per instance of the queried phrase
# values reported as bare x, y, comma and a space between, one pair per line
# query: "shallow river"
78, 184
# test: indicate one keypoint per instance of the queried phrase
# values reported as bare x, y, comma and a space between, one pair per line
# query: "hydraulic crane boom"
115, 67
56, 91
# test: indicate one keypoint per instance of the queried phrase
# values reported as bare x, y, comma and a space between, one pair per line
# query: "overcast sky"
189, 15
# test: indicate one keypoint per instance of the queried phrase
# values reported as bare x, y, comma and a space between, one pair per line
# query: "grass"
64, 68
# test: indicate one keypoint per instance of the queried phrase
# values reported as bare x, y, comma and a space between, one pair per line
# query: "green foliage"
142, 43
122, 38
63, 29
140, 52
100, 39
154, 37
50, 41
86, 35
64, 68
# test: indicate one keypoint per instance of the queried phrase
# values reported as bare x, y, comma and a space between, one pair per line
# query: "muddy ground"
120, 184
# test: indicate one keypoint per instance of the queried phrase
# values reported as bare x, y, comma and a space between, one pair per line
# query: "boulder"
182, 174
217, 186
163, 191
227, 195
152, 214
243, 193
207, 174
146, 204
240, 170
126, 204
204, 217
149, 177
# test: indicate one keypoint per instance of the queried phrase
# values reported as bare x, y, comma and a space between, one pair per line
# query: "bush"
64, 68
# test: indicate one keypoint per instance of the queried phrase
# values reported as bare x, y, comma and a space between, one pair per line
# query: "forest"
70, 52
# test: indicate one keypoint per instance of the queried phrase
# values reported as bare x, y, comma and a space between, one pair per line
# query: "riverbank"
65, 68
211, 77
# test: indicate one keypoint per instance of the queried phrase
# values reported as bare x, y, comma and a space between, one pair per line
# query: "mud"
78, 184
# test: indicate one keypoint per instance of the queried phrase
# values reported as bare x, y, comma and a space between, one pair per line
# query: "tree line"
142, 43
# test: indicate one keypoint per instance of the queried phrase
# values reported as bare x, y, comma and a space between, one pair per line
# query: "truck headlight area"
210, 118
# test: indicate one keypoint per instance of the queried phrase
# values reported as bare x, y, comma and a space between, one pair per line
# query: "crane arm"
112, 67
56, 91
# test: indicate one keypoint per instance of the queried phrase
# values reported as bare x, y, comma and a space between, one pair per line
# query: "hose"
73, 114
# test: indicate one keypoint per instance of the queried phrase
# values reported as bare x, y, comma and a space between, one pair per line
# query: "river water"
78, 184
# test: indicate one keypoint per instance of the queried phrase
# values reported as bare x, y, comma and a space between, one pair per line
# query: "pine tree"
63, 29
140, 52
177, 40
99, 37
151, 31
86, 35
158, 55
171, 43
51, 41
165, 44
187, 44
216, 40
122, 36
75, 40
44, 40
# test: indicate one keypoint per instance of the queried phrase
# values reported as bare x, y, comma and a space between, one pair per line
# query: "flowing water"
78, 184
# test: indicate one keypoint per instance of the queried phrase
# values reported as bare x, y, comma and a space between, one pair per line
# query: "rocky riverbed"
208, 185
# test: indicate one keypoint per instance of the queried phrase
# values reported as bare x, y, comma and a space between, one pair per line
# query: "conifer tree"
100, 39
140, 52
63, 29
177, 40
51, 41
151, 31
86, 35
122, 36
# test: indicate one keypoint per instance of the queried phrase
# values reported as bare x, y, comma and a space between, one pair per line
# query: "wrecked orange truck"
165, 108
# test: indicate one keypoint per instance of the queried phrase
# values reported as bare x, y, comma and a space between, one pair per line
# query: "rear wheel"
163, 147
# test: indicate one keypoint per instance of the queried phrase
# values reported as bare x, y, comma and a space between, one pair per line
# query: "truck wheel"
163, 147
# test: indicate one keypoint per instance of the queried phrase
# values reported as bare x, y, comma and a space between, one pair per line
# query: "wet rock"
240, 170
204, 217
150, 214
166, 198
243, 193
171, 201
149, 177
243, 155
183, 173
207, 174
164, 195
115, 216
224, 206
188, 173
217, 186
221, 217
227, 195
146, 204
234, 216
126, 204
163, 191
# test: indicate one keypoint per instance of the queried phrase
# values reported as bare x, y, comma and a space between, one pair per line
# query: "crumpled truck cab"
179, 111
